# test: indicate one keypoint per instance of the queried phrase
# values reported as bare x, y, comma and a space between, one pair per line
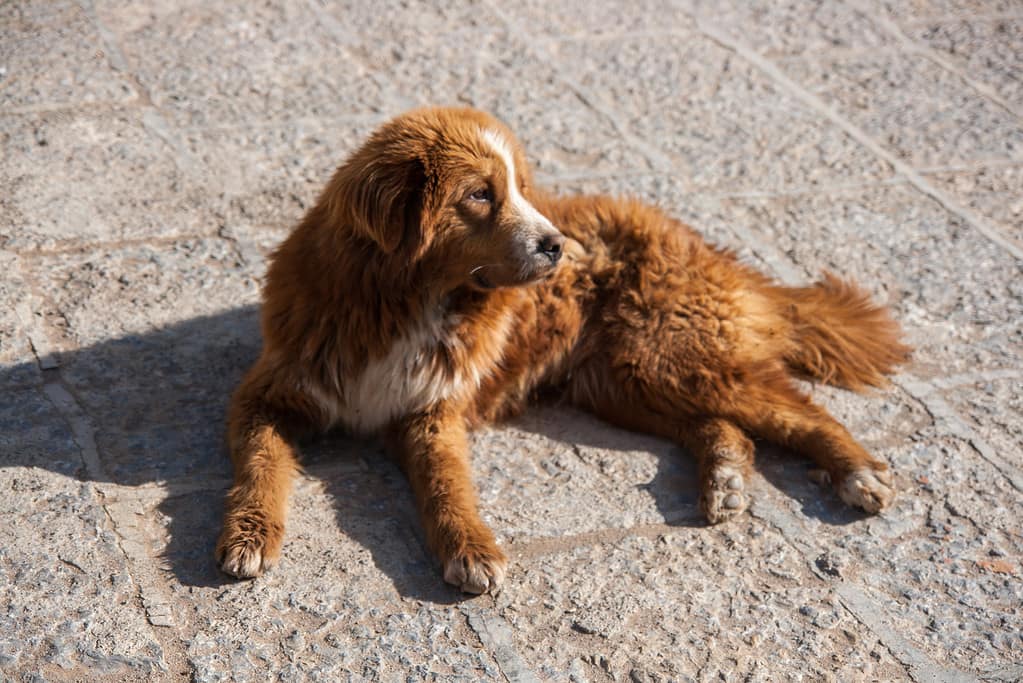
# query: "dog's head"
447, 189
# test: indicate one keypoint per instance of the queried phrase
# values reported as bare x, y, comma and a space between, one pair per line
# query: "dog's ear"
379, 195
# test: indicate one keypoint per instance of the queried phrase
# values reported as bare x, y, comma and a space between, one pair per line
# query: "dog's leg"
787, 417
433, 450
725, 456
260, 438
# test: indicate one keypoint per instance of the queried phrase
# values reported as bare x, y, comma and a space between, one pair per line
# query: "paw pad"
723, 496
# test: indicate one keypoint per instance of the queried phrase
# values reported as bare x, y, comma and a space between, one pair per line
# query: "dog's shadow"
156, 403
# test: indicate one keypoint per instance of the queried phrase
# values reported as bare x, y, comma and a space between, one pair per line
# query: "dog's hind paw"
872, 490
723, 495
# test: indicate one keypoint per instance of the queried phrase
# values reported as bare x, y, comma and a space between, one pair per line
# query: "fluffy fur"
428, 291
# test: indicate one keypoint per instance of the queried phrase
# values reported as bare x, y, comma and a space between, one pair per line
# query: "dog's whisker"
479, 268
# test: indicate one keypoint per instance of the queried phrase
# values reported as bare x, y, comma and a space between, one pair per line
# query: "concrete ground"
154, 153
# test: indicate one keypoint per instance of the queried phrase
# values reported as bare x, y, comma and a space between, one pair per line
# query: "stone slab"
456, 54
995, 409
52, 56
80, 178
791, 27
226, 64
712, 124
353, 596
913, 11
941, 561
912, 107
988, 50
269, 175
995, 192
689, 604
58, 541
556, 472
157, 338
603, 18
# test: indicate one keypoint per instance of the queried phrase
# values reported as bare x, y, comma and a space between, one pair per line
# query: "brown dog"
423, 295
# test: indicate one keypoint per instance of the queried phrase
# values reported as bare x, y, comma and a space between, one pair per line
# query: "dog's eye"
481, 195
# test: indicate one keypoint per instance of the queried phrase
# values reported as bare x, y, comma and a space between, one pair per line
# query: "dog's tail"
840, 336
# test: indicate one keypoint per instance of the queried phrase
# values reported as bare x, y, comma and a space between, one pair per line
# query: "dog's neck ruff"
436, 360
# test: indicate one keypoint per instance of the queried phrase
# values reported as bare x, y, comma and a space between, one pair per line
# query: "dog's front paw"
872, 490
249, 545
723, 495
477, 569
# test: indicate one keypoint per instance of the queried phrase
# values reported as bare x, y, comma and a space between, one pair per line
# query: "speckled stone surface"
152, 155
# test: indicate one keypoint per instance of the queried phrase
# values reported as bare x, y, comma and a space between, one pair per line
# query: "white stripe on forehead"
499, 145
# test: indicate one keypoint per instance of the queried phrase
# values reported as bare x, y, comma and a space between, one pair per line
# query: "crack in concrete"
594, 103
911, 46
856, 601
130, 539
551, 545
978, 377
75, 246
496, 636
970, 217
947, 417
345, 38
152, 119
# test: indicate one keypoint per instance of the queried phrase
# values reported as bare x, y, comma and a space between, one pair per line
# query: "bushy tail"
840, 336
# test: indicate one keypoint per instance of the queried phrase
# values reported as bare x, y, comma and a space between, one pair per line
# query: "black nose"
550, 246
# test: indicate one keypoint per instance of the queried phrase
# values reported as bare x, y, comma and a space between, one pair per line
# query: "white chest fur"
409, 377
